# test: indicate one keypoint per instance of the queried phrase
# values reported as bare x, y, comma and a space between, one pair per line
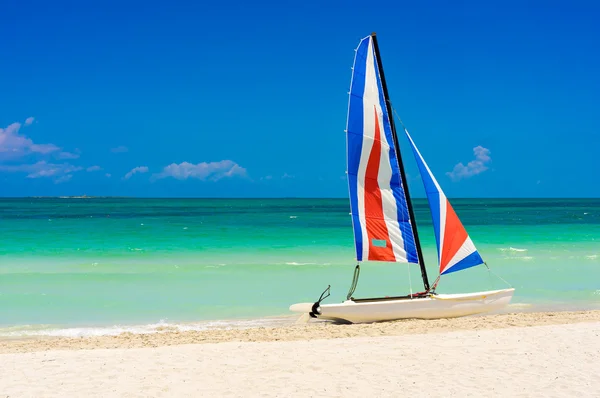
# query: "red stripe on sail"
454, 236
376, 226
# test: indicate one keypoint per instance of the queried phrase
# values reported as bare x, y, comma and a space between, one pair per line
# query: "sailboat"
382, 213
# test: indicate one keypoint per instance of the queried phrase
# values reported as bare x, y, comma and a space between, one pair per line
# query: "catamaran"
382, 213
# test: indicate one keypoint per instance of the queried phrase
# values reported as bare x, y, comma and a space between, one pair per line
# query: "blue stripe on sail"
403, 216
433, 195
471, 260
354, 137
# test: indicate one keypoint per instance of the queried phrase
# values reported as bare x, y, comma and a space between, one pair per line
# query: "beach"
520, 354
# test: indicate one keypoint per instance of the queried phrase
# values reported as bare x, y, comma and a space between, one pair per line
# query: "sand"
546, 354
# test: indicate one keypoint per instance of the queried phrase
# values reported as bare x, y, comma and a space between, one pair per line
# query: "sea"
102, 266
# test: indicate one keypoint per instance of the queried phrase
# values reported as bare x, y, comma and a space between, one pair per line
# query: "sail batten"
383, 229
456, 250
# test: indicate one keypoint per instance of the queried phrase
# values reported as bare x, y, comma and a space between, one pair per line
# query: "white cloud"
42, 169
44, 148
94, 168
14, 145
108, 175
286, 176
68, 155
64, 178
136, 170
119, 149
474, 167
202, 171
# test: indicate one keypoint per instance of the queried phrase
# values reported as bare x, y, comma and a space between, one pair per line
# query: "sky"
249, 99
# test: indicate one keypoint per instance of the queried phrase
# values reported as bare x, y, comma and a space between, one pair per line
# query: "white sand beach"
528, 355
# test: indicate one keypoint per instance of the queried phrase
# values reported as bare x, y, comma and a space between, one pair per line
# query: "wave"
215, 266
300, 264
160, 327
512, 249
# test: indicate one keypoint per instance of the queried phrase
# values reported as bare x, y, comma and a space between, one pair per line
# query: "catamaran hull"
432, 307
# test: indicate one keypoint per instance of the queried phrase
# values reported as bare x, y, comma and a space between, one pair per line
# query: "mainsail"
456, 250
383, 230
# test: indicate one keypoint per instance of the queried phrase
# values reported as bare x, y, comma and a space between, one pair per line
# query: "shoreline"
288, 330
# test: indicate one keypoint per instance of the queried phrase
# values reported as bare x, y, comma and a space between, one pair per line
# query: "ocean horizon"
111, 264
84, 196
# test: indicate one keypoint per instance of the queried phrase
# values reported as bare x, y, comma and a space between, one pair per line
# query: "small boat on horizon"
382, 213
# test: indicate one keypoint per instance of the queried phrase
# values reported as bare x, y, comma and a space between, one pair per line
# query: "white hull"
432, 307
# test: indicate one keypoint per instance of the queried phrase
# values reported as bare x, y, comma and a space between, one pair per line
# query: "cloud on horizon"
135, 170
212, 171
474, 167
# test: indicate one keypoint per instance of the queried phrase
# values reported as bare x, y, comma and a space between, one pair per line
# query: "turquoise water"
96, 263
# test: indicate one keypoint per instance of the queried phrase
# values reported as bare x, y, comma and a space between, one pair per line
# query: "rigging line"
489, 274
432, 289
397, 116
496, 275
491, 280
409, 280
434, 286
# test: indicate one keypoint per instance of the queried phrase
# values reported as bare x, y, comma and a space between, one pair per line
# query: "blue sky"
249, 99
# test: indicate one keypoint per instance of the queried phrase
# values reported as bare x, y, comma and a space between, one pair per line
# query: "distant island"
79, 197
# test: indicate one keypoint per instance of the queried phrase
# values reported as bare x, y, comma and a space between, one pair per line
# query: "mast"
388, 106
